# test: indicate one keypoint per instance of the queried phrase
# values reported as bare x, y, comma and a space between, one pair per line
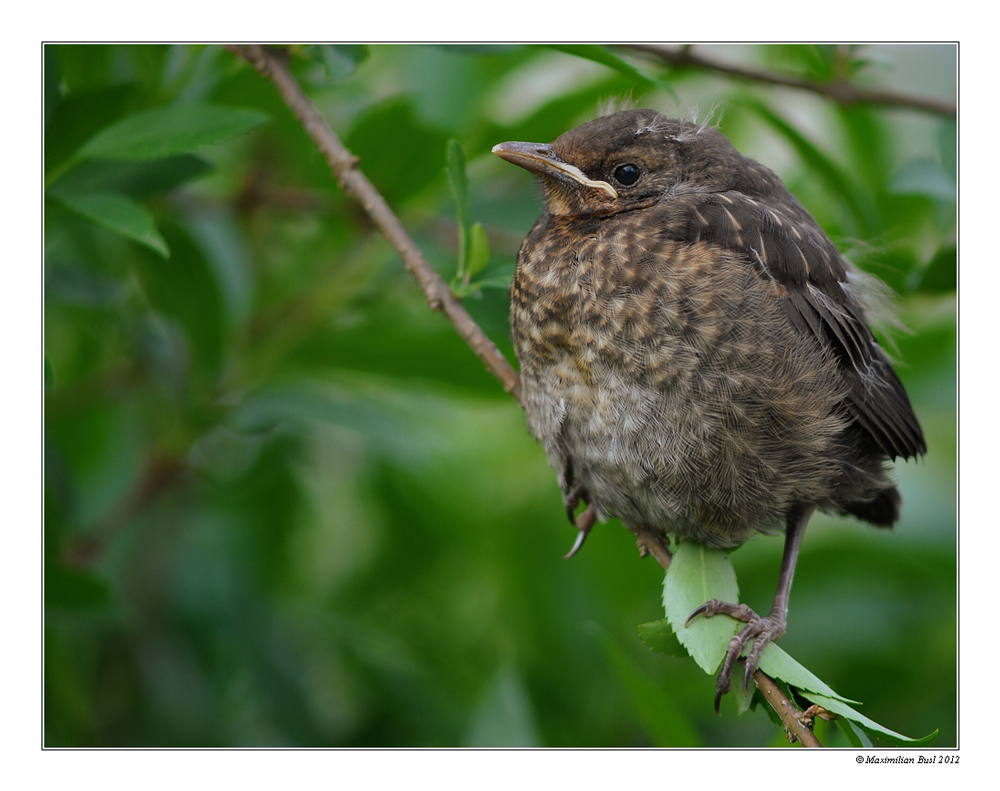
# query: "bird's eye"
626, 175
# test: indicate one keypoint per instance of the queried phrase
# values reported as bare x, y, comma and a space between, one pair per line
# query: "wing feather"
784, 244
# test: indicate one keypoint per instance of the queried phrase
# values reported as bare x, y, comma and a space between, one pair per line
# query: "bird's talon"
707, 609
580, 538
584, 523
700, 611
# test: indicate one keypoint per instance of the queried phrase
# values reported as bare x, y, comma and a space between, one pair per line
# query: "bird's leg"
761, 630
572, 500
584, 521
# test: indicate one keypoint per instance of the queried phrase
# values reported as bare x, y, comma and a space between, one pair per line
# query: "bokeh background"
284, 503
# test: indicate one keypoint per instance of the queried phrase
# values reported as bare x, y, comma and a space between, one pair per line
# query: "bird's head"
632, 159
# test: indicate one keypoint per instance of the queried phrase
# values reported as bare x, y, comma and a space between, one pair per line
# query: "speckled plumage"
694, 352
664, 396
666, 363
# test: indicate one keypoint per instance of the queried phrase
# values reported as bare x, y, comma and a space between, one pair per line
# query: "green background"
284, 503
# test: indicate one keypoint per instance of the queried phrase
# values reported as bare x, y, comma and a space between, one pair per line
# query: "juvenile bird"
694, 351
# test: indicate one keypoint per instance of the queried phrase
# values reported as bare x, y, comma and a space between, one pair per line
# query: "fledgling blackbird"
694, 351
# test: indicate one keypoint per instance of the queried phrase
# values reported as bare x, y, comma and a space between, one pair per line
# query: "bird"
695, 353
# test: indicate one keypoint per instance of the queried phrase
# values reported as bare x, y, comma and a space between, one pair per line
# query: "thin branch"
840, 90
345, 168
795, 721
439, 296
651, 543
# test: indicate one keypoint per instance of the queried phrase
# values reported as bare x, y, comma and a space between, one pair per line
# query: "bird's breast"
612, 332
619, 298
665, 375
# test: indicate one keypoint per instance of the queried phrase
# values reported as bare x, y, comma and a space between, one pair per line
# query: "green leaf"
473, 245
500, 278
197, 304
390, 428
778, 664
861, 205
857, 737
744, 700
398, 150
80, 116
168, 131
118, 214
697, 574
659, 636
342, 60
868, 726
867, 145
941, 273
459, 184
228, 258
812, 61
137, 179
601, 54
479, 250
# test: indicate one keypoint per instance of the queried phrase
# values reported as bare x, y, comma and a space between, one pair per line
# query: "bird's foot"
761, 630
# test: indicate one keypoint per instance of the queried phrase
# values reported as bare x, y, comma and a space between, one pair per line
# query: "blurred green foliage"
285, 505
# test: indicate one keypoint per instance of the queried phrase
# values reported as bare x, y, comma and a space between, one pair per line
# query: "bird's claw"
761, 630
583, 522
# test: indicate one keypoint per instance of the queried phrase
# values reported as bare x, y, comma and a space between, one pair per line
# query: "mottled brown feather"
693, 355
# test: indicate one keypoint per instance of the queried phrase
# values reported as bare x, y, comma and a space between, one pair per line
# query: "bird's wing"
785, 245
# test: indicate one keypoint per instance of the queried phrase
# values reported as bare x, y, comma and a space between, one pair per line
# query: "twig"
440, 297
840, 90
791, 716
345, 168
651, 543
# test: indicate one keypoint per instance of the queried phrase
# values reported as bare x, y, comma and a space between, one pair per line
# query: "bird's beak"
540, 158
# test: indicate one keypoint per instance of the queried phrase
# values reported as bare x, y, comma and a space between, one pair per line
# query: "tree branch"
840, 90
345, 168
440, 297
